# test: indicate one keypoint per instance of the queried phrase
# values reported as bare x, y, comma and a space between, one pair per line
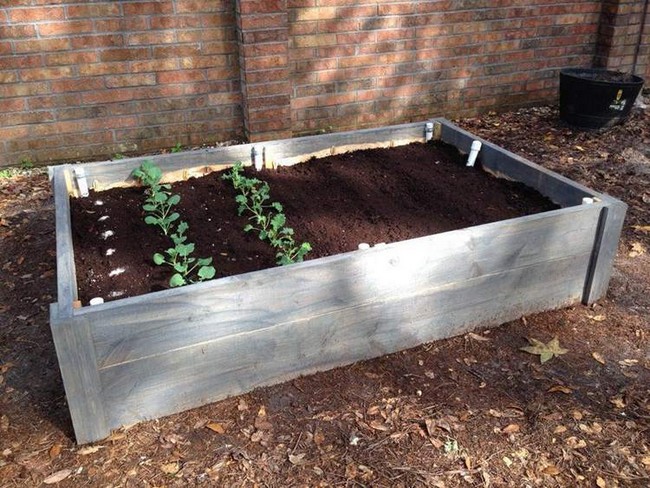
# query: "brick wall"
90, 79
375, 62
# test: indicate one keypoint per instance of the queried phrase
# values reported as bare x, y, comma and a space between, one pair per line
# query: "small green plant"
118, 156
177, 148
26, 164
187, 269
268, 219
159, 201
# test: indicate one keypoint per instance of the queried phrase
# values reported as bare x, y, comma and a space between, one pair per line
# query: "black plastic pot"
596, 98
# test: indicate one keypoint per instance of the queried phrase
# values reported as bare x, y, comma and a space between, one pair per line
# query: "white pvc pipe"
428, 131
473, 153
258, 159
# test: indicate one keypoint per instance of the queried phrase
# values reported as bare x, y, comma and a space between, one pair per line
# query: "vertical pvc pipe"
473, 153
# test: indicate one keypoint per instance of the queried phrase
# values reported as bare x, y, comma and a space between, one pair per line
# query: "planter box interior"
164, 352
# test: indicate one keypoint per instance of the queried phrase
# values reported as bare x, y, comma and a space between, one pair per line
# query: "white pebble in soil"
99, 203
110, 252
115, 294
107, 234
102, 218
116, 271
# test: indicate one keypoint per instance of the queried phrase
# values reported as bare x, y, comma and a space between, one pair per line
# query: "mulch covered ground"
475, 410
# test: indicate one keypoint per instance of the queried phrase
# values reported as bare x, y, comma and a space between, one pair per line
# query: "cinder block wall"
91, 79
82, 80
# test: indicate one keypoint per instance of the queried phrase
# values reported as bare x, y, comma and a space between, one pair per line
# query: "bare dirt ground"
475, 410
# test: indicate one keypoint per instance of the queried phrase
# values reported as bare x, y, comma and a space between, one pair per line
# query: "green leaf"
160, 197
545, 351
147, 207
263, 234
277, 206
182, 227
176, 280
171, 218
158, 258
278, 221
206, 272
174, 199
204, 261
180, 267
151, 220
248, 228
241, 199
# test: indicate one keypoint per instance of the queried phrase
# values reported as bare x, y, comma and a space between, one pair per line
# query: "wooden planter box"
152, 355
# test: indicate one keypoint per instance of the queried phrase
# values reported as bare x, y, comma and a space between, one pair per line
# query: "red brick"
96, 69
42, 45
35, 14
195, 6
117, 81
79, 84
12, 105
46, 73
17, 31
94, 10
24, 89
147, 8
262, 6
72, 58
125, 54
102, 40
184, 76
65, 28
176, 22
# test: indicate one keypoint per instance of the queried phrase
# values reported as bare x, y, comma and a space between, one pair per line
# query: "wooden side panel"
65, 267
292, 151
508, 165
76, 355
607, 237
131, 329
184, 378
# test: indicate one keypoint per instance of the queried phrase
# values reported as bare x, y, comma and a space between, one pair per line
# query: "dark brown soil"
335, 203
471, 411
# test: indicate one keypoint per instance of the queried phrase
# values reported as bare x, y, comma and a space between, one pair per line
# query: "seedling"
177, 148
159, 201
268, 219
187, 269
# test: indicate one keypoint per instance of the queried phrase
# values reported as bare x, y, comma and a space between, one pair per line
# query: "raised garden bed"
159, 353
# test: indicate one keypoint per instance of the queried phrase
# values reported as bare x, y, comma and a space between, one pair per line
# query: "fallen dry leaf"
84, 451
601, 483
598, 357
57, 477
559, 429
477, 337
170, 468
636, 250
551, 470
55, 450
215, 427
617, 401
561, 389
596, 318
642, 228
297, 459
511, 429
545, 351
379, 425
575, 443
645, 460
626, 363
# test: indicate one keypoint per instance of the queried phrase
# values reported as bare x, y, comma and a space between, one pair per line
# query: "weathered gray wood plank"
143, 326
65, 268
184, 378
607, 237
78, 365
291, 151
508, 165
107, 174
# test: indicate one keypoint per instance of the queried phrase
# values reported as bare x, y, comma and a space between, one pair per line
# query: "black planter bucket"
596, 98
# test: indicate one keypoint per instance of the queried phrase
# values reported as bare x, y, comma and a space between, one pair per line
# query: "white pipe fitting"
473, 153
96, 301
428, 131
587, 200
258, 159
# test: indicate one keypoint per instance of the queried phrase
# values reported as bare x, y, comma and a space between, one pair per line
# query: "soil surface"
603, 75
334, 203
472, 411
